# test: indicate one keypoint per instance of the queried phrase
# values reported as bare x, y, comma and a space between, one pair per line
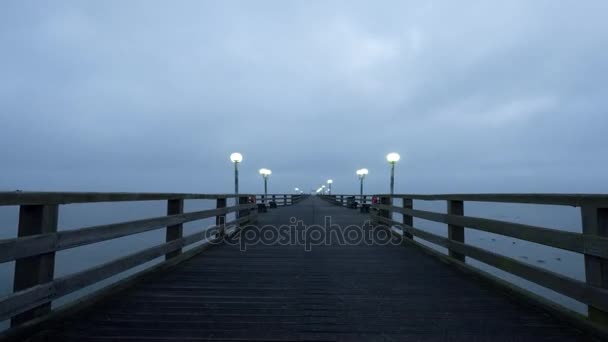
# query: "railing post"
284, 200
220, 220
408, 220
39, 269
174, 207
595, 222
456, 233
243, 212
386, 200
253, 212
342, 200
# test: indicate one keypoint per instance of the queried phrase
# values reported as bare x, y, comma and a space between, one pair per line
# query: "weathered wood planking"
570, 287
16, 248
332, 293
574, 200
27, 197
576, 242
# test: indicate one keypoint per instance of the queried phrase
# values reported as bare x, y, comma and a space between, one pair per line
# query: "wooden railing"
342, 199
592, 242
280, 199
33, 250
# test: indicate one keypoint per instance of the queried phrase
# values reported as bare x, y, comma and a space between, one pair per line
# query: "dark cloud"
149, 96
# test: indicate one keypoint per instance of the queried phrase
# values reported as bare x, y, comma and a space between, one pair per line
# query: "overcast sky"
476, 96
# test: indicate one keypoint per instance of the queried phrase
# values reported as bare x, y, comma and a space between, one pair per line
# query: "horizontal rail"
33, 250
31, 198
32, 297
574, 200
592, 243
578, 290
576, 242
16, 248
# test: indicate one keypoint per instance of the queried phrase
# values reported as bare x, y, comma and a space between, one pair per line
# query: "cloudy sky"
476, 96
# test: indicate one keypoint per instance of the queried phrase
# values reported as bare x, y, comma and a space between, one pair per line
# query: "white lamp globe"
329, 181
236, 157
265, 172
362, 172
393, 157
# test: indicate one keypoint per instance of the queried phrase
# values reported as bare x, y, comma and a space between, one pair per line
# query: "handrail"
17, 248
48, 198
592, 243
574, 200
575, 242
33, 250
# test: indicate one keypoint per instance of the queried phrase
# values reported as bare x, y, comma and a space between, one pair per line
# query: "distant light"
329, 181
362, 172
393, 157
323, 186
236, 157
265, 172
297, 189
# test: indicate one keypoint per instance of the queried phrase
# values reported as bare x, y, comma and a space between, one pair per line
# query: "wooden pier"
234, 287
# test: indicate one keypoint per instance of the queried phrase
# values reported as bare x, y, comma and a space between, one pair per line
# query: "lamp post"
361, 173
236, 158
329, 183
392, 159
265, 173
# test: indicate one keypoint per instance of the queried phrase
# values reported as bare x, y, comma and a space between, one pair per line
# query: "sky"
476, 96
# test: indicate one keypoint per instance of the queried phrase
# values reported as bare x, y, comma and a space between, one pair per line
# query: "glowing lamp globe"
362, 172
393, 157
236, 157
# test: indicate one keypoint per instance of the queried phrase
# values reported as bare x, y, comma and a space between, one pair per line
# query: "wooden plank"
386, 202
523, 295
243, 200
576, 242
39, 269
174, 232
456, 232
220, 220
578, 290
16, 248
274, 292
408, 219
595, 223
31, 198
57, 316
574, 200
35, 296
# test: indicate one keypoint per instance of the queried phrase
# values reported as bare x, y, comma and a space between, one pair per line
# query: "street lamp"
392, 158
265, 173
329, 182
361, 173
236, 158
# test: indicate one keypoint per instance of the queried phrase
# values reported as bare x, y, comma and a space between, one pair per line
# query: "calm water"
82, 215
